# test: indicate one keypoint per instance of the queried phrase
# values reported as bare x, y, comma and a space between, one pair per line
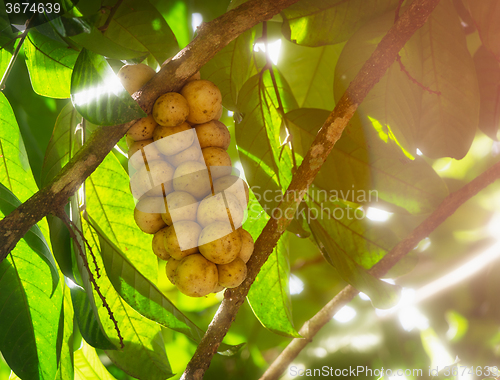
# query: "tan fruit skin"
233, 184
138, 156
232, 274
189, 230
173, 140
218, 288
192, 153
219, 250
143, 129
196, 276
218, 160
180, 206
204, 99
158, 246
170, 269
161, 172
170, 109
133, 77
192, 177
247, 245
214, 133
213, 209
149, 221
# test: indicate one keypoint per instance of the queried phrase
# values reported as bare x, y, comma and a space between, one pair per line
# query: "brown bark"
371, 72
211, 38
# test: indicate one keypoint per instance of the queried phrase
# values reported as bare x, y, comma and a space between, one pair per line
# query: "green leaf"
68, 26
29, 311
488, 76
97, 93
65, 338
436, 56
140, 293
50, 65
364, 241
61, 246
143, 355
313, 87
367, 175
111, 205
8, 45
48, 30
88, 325
314, 23
15, 172
269, 295
88, 366
85, 307
34, 237
178, 18
88, 7
63, 143
96, 42
231, 68
137, 26
382, 294
259, 136
458, 325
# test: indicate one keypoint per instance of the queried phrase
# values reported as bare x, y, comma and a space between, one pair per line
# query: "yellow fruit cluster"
187, 197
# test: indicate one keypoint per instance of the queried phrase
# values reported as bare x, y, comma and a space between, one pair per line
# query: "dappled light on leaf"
98, 94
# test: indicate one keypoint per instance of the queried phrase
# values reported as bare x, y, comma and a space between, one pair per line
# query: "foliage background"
462, 321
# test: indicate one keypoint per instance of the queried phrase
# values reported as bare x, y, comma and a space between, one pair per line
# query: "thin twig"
403, 69
300, 264
94, 259
71, 228
402, 66
112, 12
398, 8
447, 208
15, 54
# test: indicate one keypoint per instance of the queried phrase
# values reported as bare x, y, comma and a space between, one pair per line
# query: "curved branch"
371, 72
212, 37
447, 208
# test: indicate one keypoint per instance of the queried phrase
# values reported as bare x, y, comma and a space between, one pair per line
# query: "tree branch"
447, 208
112, 12
211, 38
371, 72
